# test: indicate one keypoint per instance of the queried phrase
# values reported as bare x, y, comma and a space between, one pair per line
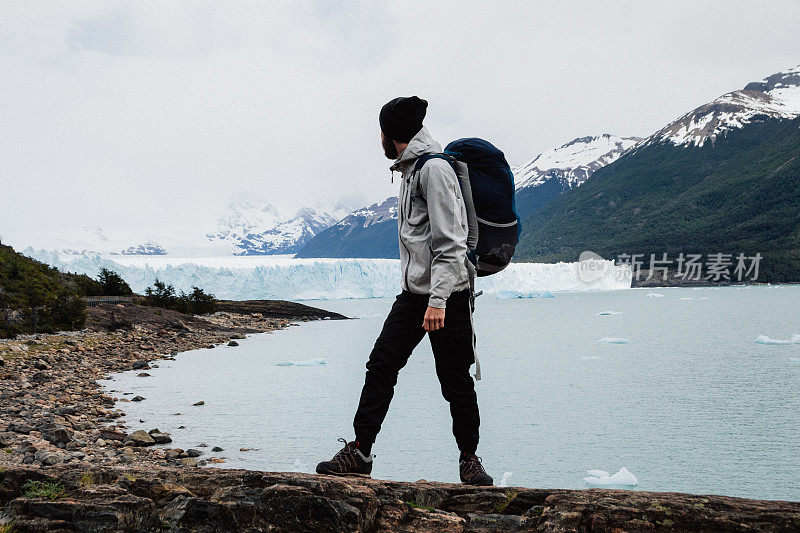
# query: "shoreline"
52, 409
67, 462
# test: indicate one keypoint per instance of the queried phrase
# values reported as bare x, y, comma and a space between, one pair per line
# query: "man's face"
389, 149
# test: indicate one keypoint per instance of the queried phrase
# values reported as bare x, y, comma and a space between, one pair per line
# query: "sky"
147, 119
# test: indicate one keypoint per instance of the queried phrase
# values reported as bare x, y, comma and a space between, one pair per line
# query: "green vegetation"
510, 495
196, 302
740, 194
112, 284
8, 527
45, 490
37, 298
415, 505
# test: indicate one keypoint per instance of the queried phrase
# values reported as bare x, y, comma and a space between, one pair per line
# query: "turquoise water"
689, 403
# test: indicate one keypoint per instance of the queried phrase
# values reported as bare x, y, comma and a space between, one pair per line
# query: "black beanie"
402, 117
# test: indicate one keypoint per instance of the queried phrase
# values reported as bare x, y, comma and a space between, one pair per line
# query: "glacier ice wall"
282, 277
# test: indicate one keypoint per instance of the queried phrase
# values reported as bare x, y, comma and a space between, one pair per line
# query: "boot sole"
349, 474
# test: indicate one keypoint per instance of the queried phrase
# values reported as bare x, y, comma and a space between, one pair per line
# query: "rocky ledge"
66, 498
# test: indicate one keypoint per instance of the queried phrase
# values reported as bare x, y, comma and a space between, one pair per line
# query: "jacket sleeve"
448, 237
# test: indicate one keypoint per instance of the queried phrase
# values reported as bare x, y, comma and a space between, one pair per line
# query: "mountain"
148, 248
560, 169
252, 229
723, 178
370, 232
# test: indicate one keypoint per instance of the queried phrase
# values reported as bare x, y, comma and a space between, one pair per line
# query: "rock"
217, 449
238, 337
188, 461
233, 343
161, 438
112, 434
56, 434
41, 365
191, 452
140, 438
199, 403
143, 375
210, 346
137, 398
140, 365
48, 458
2, 362
18, 427
71, 342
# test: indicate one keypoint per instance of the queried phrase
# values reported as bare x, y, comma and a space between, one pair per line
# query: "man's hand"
434, 319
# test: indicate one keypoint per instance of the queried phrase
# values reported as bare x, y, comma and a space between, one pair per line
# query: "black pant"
453, 353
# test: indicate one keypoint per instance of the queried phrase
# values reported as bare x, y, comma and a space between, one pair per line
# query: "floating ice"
763, 339
655, 295
685, 298
794, 359
589, 357
614, 340
609, 313
509, 294
600, 478
504, 479
310, 362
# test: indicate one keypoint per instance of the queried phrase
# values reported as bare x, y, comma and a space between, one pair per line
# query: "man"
436, 297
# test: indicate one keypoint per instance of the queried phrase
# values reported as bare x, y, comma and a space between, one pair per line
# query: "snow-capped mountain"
776, 96
574, 162
252, 229
148, 248
558, 170
367, 232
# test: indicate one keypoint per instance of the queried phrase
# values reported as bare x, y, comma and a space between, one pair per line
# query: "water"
690, 403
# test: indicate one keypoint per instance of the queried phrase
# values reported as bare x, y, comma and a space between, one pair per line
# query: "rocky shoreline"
52, 411
67, 462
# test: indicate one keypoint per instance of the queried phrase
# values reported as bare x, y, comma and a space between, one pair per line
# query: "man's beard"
389, 149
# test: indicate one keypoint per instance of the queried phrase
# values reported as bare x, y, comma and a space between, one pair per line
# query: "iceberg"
763, 339
655, 295
287, 278
309, 362
600, 478
614, 340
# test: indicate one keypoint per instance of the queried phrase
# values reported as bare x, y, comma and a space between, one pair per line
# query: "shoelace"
474, 465
349, 456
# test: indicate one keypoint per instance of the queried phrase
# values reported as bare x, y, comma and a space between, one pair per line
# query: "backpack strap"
421, 160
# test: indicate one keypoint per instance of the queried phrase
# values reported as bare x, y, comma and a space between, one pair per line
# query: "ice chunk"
504, 479
614, 340
655, 295
511, 294
309, 362
794, 359
589, 357
609, 313
685, 298
763, 339
600, 478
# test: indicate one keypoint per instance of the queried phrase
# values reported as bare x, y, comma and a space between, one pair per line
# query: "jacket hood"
422, 143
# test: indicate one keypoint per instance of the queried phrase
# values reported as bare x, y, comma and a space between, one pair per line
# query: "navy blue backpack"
487, 186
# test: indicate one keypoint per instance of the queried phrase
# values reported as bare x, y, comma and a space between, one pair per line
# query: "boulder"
233, 343
140, 438
56, 434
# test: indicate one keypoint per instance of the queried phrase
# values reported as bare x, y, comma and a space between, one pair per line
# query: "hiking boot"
349, 461
471, 470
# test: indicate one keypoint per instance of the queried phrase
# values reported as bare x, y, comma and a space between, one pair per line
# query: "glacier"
287, 278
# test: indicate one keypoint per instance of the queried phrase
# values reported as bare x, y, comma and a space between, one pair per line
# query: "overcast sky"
147, 119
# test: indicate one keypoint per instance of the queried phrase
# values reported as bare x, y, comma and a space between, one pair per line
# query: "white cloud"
146, 119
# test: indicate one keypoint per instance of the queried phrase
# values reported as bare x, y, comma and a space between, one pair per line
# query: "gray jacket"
432, 224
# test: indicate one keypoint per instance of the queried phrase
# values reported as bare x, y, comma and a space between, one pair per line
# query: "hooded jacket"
431, 223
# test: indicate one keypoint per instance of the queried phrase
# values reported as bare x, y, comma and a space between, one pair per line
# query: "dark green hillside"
35, 297
739, 194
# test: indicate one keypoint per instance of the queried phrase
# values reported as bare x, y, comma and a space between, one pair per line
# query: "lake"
670, 385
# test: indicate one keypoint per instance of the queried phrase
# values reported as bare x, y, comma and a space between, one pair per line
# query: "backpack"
487, 186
